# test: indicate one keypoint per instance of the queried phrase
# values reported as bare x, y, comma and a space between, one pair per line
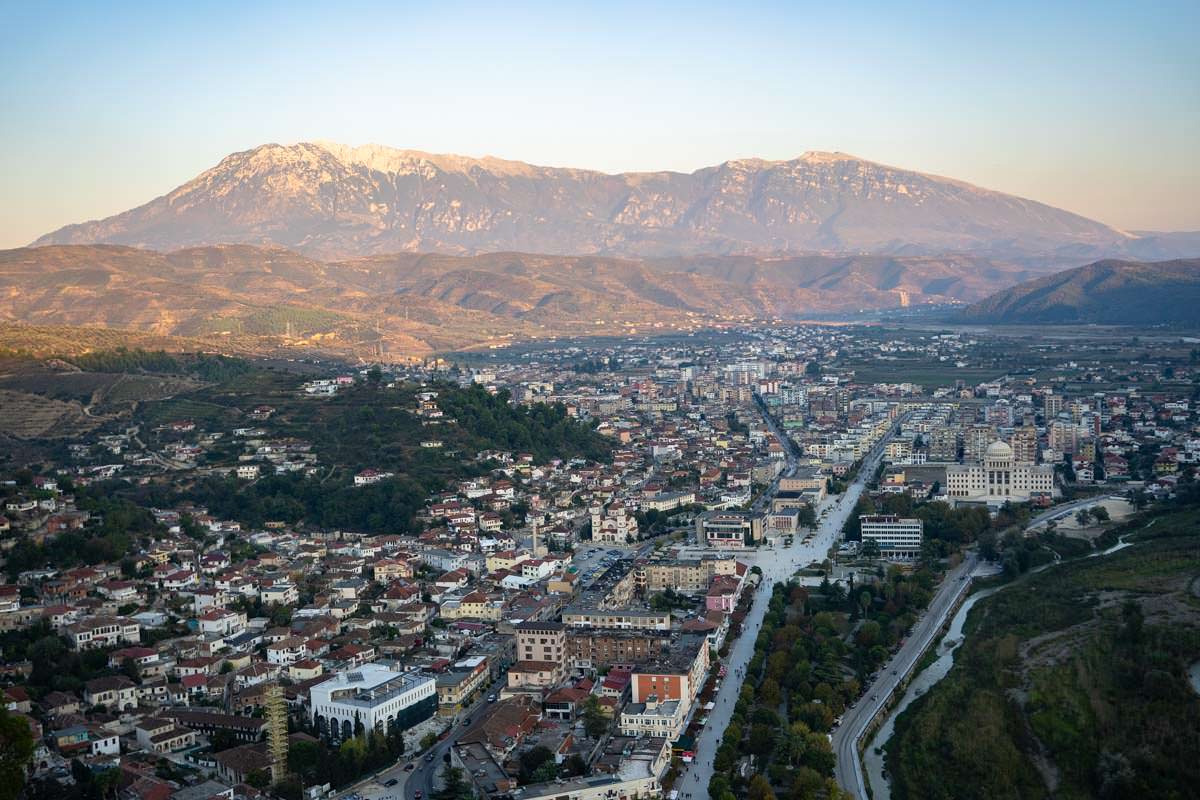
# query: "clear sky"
1090, 106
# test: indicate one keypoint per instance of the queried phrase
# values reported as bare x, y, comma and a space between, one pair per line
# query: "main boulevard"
778, 564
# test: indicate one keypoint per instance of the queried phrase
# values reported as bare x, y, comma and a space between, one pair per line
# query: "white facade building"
998, 479
899, 538
374, 695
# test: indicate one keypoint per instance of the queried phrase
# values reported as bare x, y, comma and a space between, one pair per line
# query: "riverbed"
873, 756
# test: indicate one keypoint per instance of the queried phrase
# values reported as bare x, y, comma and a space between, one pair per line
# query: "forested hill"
366, 426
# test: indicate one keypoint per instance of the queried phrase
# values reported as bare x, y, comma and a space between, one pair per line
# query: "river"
873, 755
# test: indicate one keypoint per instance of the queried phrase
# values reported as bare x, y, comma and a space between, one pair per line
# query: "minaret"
277, 731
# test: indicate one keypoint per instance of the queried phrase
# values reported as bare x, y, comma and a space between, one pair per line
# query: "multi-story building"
976, 439
686, 576
541, 641
678, 675
1063, 436
376, 695
598, 648
654, 717
541, 655
115, 692
1052, 405
729, 529
625, 618
943, 443
899, 538
998, 479
456, 686
1024, 442
103, 632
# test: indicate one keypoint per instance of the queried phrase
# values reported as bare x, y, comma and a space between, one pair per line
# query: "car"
417, 794
491, 698
429, 756
391, 782
466, 721
410, 766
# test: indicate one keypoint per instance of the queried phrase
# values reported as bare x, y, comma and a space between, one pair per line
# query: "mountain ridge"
339, 201
424, 302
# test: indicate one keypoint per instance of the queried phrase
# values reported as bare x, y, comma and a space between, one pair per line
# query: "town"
574, 570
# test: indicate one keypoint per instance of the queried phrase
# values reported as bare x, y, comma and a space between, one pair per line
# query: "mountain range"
414, 304
333, 201
1107, 292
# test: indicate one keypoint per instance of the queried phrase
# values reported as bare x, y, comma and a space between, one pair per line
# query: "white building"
899, 538
998, 479
374, 695
613, 525
103, 632
653, 718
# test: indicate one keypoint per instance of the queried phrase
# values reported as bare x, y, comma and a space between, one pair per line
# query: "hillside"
1106, 292
333, 201
1072, 684
268, 300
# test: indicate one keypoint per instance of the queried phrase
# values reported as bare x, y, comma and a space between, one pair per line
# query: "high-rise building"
1024, 442
943, 443
976, 439
1052, 405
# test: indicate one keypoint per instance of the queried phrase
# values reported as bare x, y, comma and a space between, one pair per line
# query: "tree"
532, 760
870, 548
258, 778
16, 748
1083, 517
760, 789
454, 787
1100, 514
1068, 469
594, 721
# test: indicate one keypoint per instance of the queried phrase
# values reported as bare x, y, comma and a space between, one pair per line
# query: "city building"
998, 479
374, 695
899, 538
729, 529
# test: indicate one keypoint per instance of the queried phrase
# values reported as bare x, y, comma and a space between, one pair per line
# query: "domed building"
998, 478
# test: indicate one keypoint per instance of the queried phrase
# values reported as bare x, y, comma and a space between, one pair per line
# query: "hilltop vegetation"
1071, 684
1104, 293
367, 426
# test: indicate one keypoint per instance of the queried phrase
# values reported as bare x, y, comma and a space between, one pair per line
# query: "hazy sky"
1093, 107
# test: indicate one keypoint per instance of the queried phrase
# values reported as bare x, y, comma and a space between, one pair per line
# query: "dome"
997, 451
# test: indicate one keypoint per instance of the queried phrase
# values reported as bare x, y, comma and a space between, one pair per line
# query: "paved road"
1068, 509
426, 770
423, 773
849, 772
778, 564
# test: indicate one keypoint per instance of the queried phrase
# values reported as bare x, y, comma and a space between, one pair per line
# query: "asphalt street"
778, 564
849, 772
